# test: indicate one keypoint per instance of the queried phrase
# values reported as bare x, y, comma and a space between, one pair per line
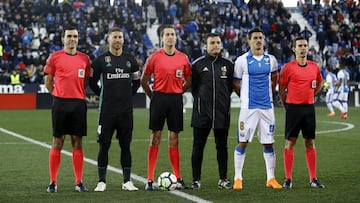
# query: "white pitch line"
348, 127
111, 168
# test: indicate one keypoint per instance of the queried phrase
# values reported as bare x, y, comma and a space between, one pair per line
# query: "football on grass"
167, 181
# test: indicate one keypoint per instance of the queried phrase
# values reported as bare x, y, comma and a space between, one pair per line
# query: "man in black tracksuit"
211, 89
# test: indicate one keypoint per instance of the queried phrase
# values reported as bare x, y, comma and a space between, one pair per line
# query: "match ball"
167, 181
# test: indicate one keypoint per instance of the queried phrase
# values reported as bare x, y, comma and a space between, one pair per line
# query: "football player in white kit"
342, 91
331, 81
255, 77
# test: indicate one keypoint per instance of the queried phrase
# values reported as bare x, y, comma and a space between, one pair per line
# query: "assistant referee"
172, 76
67, 75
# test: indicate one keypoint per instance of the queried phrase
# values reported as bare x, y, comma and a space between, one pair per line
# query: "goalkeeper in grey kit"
119, 75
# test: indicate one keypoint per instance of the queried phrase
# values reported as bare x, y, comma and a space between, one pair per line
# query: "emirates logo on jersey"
119, 74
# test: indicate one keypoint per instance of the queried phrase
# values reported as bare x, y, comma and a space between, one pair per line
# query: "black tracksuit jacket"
211, 88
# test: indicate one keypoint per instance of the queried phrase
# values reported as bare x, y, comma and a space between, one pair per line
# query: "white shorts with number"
329, 96
261, 119
342, 96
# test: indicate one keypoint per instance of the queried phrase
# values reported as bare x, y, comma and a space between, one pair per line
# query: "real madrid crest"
108, 61
128, 64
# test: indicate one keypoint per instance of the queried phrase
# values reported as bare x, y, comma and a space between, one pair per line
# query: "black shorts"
121, 122
169, 107
69, 117
300, 117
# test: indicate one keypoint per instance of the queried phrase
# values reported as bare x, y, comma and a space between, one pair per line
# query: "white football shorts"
329, 96
261, 119
342, 96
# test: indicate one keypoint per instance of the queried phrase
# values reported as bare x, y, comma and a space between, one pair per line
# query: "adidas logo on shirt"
205, 69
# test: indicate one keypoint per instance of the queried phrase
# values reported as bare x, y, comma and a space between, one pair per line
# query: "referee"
300, 80
67, 74
172, 76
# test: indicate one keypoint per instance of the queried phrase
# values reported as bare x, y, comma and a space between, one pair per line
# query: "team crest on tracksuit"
223, 72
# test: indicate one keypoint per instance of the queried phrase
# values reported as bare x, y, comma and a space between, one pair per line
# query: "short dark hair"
297, 39
69, 27
255, 30
211, 35
114, 29
328, 68
163, 27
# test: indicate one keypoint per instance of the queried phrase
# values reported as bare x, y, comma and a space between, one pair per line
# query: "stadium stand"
337, 26
30, 29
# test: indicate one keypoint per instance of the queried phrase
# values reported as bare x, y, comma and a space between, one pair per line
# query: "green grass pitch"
24, 165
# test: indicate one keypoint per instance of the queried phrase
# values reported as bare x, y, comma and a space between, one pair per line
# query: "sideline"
111, 168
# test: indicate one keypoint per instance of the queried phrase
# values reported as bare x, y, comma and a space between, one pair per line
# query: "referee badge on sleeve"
179, 73
313, 84
81, 73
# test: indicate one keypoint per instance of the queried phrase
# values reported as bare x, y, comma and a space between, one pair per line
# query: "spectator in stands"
1, 51
4, 77
315, 56
272, 17
231, 32
160, 11
321, 38
15, 77
38, 76
278, 52
331, 17
24, 76
306, 33
348, 59
151, 13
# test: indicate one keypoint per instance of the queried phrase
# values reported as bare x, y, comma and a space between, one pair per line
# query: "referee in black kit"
119, 75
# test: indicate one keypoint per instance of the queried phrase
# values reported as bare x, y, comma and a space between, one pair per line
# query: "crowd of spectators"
337, 27
30, 30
